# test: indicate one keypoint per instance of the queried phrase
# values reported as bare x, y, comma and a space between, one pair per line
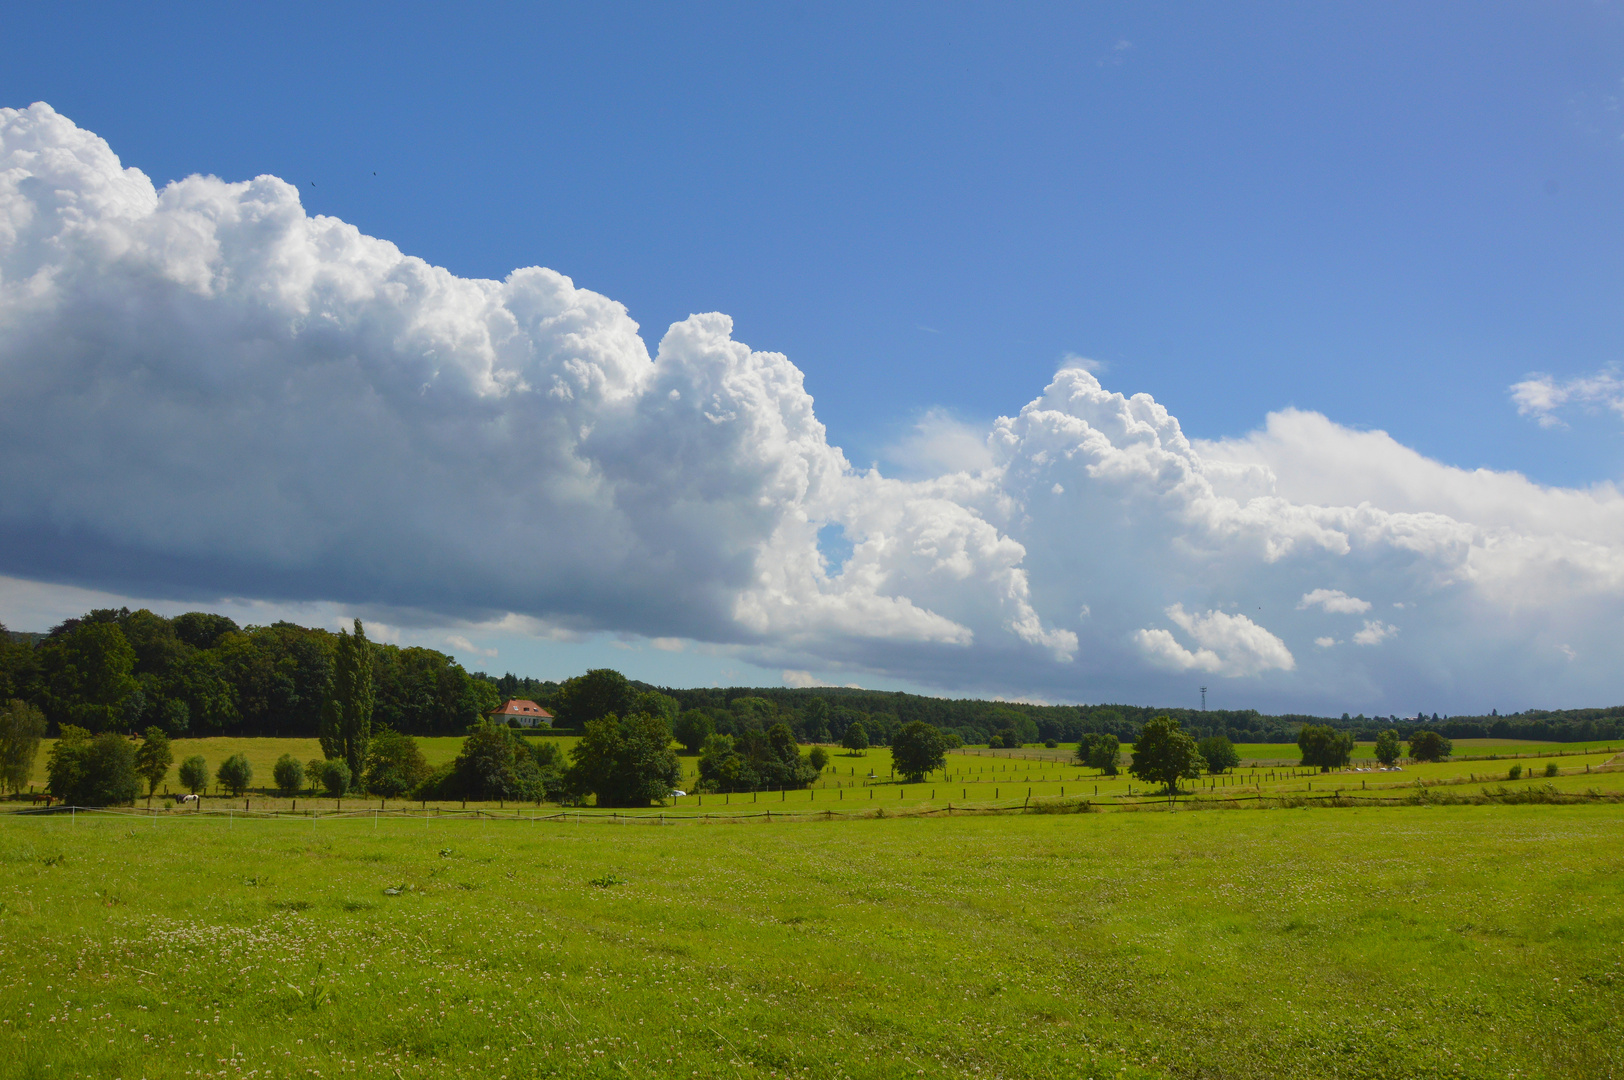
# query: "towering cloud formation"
203, 390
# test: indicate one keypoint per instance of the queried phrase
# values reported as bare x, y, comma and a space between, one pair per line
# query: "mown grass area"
1458, 941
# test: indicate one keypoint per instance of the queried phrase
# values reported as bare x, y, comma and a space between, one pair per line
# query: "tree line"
201, 674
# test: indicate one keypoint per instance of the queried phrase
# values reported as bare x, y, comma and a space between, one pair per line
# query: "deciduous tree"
22, 726
625, 762
1388, 747
598, 693
1100, 750
395, 765
692, 729
92, 770
194, 774
346, 714
1219, 753
153, 758
235, 774
1324, 747
1429, 746
1164, 754
918, 749
289, 775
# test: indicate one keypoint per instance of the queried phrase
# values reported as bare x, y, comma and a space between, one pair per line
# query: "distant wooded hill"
202, 674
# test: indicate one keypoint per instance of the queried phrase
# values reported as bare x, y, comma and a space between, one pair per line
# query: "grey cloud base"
205, 390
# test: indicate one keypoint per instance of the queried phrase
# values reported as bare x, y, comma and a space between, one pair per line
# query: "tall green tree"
693, 728
194, 774
395, 765
153, 758
495, 763
346, 714
1164, 754
815, 721
289, 775
1388, 747
88, 673
1219, 753
235, 774
1100, 750
625, 762
1429, 746
917, 749
598, 693
1324, 747
92, 770
22, 726
856, 738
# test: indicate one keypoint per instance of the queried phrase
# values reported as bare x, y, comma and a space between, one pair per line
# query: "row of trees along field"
202, 674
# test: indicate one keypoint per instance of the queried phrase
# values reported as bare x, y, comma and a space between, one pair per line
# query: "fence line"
1418, 794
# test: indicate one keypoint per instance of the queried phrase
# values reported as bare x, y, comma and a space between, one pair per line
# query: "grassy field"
980, 777
1457, 941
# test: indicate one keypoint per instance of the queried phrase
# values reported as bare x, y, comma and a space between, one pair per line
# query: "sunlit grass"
1460, 941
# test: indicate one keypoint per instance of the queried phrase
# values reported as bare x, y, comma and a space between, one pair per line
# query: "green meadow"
1463, 941
978, 777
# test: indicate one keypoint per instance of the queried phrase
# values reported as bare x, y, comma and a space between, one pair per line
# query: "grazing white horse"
184, 799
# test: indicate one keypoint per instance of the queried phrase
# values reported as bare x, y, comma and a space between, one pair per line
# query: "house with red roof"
523, 713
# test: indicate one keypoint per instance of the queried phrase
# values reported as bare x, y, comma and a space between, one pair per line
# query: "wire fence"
1435, 793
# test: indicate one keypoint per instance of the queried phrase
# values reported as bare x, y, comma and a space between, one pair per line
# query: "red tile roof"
521, 707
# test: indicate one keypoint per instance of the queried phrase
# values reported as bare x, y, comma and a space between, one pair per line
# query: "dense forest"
202, 674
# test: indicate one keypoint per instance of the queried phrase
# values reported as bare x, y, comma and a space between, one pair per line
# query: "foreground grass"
1459, 941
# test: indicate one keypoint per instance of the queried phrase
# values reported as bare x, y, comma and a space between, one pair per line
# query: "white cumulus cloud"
1226, 645
1334, 601
1543, 396
1374, 633
207, 392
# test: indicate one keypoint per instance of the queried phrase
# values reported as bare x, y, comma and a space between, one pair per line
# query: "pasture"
978, 777
1433, 941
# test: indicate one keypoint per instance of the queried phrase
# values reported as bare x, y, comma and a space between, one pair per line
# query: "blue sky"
1385, 214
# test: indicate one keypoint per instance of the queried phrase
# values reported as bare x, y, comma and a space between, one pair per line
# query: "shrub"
289, 775
313, 770
395, 765
1324, 746
1515, 772
91, 770
1551, 768
336, 777
818, 758
194, 774
235, 774
1219, 753
1100, 751
1050, 744
1429, 746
